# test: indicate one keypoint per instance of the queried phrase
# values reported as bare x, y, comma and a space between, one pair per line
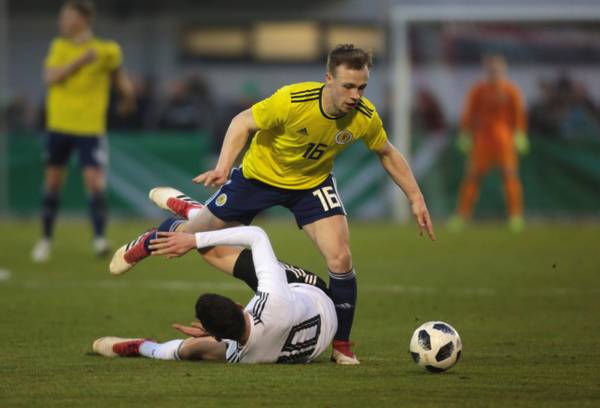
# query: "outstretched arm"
271, 276
241, 127
396, 166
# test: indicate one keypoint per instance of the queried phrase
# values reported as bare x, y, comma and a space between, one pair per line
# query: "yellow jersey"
78, 104
298, 142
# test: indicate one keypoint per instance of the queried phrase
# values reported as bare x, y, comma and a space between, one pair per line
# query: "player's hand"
88, 57
522, 143
172, 244
195, 330
421, 214
212, 178
126, 107
464, 142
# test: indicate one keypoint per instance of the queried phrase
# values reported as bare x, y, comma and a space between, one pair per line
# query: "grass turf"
526, 306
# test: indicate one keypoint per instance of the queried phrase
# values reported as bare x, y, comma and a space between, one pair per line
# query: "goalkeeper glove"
464, 143
521, 142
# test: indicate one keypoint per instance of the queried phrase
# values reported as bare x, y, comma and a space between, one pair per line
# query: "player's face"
495, 68
347, 86
70, 22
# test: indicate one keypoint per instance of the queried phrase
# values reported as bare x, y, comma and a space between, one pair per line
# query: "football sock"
98, 213
50, 204
342, 288
514, 195
168, 225
161, 351
192, 212
468, 196
244, 269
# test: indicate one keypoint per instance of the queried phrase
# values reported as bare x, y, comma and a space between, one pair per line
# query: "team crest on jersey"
343, 137
221, 200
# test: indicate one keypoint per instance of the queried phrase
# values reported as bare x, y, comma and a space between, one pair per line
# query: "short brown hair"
349, 56
84, 7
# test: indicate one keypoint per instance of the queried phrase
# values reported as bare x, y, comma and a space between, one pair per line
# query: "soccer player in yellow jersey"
299, 130
78, 71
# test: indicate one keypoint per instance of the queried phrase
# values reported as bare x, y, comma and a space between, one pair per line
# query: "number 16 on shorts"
328, 197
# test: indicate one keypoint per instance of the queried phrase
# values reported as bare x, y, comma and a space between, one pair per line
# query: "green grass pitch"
527, 308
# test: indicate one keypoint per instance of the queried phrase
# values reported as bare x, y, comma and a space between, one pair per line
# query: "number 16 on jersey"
328, 197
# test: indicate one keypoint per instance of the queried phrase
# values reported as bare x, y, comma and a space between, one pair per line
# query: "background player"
299, 131
282, 323
493, 126
78, 71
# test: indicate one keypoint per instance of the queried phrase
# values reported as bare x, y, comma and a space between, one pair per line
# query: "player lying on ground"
222, 257
285, 322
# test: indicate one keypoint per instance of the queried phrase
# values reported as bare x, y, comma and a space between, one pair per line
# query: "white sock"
192, 212
161, 351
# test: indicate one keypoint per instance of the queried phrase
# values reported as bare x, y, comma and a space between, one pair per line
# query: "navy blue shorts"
241, 199
92, 150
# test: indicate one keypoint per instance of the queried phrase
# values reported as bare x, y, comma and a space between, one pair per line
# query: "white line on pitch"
4, 275
182, 285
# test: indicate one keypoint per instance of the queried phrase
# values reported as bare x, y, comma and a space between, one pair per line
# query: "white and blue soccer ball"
435, 346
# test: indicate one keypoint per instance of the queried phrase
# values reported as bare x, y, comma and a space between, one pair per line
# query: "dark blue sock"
50, 204
98, 213
342, 288
168, 225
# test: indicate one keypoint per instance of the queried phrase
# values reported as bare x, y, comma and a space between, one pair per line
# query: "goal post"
402, 17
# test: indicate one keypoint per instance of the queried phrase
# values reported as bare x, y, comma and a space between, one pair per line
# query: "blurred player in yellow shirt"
78, 71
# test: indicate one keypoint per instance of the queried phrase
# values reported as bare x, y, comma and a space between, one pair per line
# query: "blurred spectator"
19, 114
581, 118
428, 116
188, 106
139, 119
248, 96
545, 113
565, 109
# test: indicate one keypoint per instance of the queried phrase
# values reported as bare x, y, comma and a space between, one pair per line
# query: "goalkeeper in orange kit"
492, 132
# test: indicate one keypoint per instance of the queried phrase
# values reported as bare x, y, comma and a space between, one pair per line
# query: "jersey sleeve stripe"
308, 95
364, 112
305, 100
298, 98
259, 306
305, 91
365, 107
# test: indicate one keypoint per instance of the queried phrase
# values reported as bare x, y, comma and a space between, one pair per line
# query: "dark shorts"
92, 150
241, 199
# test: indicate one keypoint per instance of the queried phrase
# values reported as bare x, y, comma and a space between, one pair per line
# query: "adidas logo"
303, 131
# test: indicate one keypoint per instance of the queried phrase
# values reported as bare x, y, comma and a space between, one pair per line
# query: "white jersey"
287, 329
291, 323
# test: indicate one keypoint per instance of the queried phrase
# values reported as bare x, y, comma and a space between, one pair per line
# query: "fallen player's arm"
195, 330
268, 270
396, 166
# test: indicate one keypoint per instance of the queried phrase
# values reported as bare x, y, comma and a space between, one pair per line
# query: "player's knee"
340, 261
509, 173
474, 176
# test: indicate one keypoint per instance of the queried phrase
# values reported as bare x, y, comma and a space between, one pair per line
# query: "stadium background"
195, 66
526, 305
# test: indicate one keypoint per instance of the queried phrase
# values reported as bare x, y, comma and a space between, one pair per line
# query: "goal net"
553, 55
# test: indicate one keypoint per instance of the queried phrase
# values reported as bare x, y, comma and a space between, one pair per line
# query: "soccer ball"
436, 346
